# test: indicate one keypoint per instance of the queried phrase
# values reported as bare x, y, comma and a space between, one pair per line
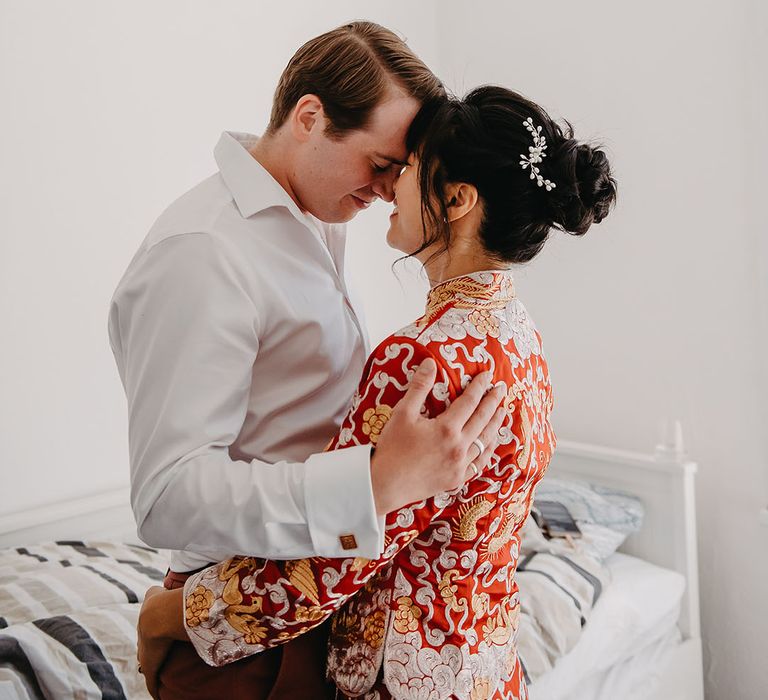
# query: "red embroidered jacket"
438, 611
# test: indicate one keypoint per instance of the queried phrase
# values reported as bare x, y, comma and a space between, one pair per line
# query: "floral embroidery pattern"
436, 615
197, 605
484, 322
406, 616
374, 629
374, 420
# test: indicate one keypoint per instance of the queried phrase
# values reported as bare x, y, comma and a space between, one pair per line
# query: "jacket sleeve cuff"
341, 512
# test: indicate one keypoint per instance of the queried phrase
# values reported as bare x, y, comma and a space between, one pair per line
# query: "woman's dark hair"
480, 140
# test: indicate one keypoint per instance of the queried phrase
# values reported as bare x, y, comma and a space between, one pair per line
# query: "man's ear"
307, 115
461, 199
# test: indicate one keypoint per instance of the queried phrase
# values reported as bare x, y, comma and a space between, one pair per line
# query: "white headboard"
666, 488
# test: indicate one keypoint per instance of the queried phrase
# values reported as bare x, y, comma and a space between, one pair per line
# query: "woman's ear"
461, 199
308, 114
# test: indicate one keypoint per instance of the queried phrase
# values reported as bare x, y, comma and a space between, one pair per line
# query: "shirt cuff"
341, 513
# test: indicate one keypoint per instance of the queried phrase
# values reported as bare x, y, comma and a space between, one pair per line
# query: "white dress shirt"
239, 348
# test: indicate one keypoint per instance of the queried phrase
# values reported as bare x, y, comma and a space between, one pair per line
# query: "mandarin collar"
484, 285
486, 289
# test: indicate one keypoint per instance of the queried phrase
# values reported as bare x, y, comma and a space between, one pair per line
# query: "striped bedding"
68, 614
557, 594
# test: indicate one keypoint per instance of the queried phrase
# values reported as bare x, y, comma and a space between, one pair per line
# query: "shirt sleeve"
242, 606
185, 333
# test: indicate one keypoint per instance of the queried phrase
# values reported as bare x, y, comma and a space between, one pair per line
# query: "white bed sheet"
635, 617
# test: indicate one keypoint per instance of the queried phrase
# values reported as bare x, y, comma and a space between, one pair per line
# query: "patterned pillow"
605, 517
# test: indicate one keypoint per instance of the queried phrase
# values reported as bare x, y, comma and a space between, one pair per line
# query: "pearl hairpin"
536, 154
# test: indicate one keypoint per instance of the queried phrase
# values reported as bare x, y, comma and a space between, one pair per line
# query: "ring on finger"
474, 468
477, 442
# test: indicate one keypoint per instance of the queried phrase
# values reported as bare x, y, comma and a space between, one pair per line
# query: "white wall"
109, 112
656, 313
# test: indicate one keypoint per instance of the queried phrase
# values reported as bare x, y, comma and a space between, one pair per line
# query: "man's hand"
160, 622
418, 457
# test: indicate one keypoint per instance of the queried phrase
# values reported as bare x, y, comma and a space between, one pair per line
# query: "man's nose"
384, 186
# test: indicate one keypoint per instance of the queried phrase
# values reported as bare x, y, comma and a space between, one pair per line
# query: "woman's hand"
161, 620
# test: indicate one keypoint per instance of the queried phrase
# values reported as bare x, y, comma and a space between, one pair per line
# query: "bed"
642, 638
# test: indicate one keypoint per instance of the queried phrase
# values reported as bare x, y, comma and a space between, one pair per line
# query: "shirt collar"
486, 289
251, 185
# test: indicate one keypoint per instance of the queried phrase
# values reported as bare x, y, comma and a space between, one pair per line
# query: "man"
240, 346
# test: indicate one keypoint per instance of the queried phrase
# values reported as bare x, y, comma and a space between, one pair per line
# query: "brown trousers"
292, 671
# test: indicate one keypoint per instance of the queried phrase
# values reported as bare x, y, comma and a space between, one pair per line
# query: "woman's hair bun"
482, 140
585, 188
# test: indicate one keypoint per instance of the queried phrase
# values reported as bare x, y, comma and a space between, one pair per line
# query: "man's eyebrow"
395, 161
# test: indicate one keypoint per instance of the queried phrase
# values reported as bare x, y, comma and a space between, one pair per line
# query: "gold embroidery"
465, 526
301, 576
468, 293
374, 629
231, 594
242, 619
248, 626
198, 605
406, 616
484, 322
448, 591
480, 603
516, 512
493, 547
525, 455
499, 629
481, 689
374, 421
309, 614
359, 563
514, 396
231, 566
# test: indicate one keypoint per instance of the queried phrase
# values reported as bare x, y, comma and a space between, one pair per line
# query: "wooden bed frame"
668, 536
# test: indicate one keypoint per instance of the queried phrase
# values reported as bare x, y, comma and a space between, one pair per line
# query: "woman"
436, 616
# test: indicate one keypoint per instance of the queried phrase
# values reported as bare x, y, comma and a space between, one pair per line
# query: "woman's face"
406, 227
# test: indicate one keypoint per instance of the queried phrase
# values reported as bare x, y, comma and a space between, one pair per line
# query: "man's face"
336, 179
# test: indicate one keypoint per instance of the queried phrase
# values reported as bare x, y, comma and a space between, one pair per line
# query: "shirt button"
348, 542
